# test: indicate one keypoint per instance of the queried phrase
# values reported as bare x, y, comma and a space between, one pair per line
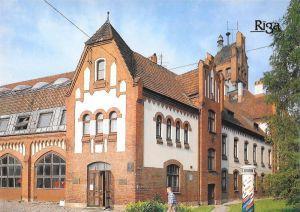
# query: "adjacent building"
121, 128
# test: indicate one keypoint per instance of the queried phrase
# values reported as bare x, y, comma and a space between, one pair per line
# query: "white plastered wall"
230, 165
156, 154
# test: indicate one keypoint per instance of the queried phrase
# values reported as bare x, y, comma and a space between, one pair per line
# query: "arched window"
178, 131
224, 180
211, 160
99, 123
246, 151
100, 71
173, 177
113, 122
186, 133
86, 124
211, 121
235, 180
169, 129
158, 126
50, 171
10, 172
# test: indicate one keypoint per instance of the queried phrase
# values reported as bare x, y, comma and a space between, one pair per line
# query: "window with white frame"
158, 126
44, 120
3, 124
86, 124
235, 148
246, 151
169, 127
178, 131
254, 153
113, 122
100, 69
99, 123
224, 144
186, 133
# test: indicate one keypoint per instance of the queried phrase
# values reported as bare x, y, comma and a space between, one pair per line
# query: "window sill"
212, 132
224, 157
269, 166
100, 84
263, 165
236, 160
224, 192
169, 142
212, 171
186, 146
178, 144
85, 138
112, 137
246, 162
255, 163
159, 141
236, 191
99, 138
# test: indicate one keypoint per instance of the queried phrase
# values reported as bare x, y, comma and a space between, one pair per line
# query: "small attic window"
60, 81
255, 125
100, 69
39, 85
21, 87
22, 123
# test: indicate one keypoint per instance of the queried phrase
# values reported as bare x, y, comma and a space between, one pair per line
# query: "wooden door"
107, 189
211, 194
95, 188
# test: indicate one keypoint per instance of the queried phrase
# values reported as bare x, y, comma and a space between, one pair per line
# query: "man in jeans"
171, 200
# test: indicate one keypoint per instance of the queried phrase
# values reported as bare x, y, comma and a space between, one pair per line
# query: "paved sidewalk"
15, 206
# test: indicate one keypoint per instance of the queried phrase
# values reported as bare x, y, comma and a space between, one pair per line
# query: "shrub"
147, 206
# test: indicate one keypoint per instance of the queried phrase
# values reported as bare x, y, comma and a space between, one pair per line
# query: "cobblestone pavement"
15, 206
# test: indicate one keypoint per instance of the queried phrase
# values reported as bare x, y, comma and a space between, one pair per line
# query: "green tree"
283, 91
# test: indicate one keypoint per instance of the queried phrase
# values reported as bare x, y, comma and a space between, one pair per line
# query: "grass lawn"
206, 208
265, 205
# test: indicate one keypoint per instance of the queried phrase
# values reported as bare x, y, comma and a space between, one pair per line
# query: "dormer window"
44, 120
22, 123
100, 69
3, 124
255, 126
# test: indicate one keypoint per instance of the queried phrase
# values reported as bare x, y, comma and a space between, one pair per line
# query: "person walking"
171, 200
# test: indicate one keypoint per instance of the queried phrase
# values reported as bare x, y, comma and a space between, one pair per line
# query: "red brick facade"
202, 91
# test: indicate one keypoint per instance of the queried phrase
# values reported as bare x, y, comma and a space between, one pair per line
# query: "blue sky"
35, 41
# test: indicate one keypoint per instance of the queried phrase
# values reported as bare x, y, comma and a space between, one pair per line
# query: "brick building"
121, 127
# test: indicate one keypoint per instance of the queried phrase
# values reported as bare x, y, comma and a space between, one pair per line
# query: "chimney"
240, 91
153, 58
227, 34
259, 87
220, 42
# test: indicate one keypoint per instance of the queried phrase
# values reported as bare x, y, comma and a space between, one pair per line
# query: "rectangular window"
262, 155
211, 121
3, 124
63, 118
100, 69
224, 180
22, 123
224, 138
254, 154
173, 177
235, 180
246, 151
235, 151
44, 120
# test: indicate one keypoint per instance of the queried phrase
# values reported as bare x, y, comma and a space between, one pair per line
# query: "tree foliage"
283, 91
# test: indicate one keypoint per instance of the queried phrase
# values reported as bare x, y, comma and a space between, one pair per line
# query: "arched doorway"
99, 185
